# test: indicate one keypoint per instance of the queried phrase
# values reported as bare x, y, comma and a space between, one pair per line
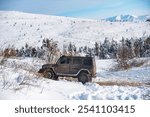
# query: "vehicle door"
76, 65
63, 66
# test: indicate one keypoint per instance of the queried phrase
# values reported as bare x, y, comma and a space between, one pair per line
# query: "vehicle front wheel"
55, 77
49, 74
84, 77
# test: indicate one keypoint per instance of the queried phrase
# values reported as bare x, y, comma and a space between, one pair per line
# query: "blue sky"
94, 9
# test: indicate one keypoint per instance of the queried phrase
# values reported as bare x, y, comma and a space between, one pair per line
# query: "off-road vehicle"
83, 68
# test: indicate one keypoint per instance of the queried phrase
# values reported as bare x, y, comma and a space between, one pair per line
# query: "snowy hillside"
128, 18
19, 80
20, 28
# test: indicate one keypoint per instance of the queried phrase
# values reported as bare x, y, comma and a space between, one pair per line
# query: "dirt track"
111, 83
133, 84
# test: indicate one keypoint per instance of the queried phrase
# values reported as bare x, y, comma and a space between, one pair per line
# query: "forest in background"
123, 51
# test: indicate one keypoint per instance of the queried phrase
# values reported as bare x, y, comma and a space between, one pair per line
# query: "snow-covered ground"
19, 28
19, 80
105, 72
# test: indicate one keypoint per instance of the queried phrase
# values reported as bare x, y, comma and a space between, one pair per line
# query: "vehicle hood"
48, 66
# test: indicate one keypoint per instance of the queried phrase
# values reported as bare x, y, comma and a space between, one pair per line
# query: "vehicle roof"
76, 56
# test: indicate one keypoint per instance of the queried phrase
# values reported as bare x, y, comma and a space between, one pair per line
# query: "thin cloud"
78, 8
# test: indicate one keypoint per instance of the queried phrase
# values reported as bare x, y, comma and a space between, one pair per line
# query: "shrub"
123, 57
136, 62
9, 52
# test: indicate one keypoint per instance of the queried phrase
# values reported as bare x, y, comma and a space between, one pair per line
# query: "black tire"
55, 77
49, 74
84, 78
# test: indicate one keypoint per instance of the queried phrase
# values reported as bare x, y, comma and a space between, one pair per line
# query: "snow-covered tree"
146, 47
97, 49
113, 49
138, 47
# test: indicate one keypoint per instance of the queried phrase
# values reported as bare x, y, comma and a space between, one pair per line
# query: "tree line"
109, 49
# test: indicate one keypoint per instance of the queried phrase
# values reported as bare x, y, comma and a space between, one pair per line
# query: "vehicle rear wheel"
84, 77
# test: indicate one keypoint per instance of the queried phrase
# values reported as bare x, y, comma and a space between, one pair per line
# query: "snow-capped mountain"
144, 17
128, 18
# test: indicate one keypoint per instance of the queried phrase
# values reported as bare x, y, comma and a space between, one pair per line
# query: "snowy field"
19, 80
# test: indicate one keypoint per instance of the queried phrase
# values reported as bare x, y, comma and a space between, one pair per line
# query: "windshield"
63, 60
58, 61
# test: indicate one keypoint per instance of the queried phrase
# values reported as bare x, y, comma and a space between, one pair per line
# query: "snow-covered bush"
136, 62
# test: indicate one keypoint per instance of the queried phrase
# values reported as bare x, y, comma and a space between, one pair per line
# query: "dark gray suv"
83, 68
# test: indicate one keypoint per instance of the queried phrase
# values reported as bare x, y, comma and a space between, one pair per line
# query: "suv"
83, 68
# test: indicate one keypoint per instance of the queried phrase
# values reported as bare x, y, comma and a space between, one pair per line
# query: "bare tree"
123, 56
51, 50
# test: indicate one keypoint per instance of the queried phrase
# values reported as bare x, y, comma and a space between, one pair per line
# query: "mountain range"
128, 18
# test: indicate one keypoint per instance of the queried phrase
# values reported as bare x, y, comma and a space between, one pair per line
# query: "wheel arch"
48, 69
83, 71
52, 70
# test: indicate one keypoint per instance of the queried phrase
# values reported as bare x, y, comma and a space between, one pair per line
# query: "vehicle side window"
87, 62
76, 61
65, 61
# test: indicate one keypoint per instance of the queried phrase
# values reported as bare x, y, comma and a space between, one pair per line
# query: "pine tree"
146, 47
113, 49
96, 49
40, 52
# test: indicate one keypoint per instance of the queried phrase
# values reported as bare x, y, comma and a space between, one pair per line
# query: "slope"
19, 28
